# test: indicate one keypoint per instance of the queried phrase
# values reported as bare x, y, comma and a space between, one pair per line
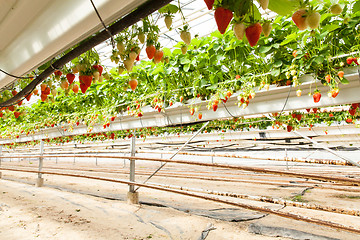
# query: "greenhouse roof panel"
35, 31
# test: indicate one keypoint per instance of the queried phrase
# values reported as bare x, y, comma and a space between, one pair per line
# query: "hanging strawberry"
209, 4
133, 84
150, 51
253, 33
158, 56
299, 18
239, 30
70, 77
313, 20
223, 17
316, 96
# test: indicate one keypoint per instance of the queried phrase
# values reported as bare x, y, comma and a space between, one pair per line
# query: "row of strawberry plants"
212, 69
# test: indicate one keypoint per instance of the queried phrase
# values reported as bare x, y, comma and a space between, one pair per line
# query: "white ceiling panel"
51, 27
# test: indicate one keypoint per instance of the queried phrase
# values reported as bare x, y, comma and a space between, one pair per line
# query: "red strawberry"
16, 114
181, 98
192, 111
315, 110
112, 118
299, 18
223, 17
83, 87
29, 96
75, 88
133, 84
214, 106
139, 114
1, 114
57, 74
20, 103
349, 120
70, 77
328, 78
355, 61
308, 109
99, 68
341, 74
294, 53
334, 92
150, 51
14, 92
43, 97
253, 33
158, 56
289, 128
355, 105
298, 116
86, 80
317, 96
77, 123
209, 3
349, 60
200, 116
352, 111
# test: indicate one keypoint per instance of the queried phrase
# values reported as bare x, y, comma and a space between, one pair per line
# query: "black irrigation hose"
141, 12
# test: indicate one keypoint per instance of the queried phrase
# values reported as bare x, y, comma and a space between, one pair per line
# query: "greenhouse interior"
184, 119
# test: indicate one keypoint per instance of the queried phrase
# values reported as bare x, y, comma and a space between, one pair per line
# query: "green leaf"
278, 63
344, 81
319, 59
331, 27
356, 7
186, 67
275, 72
264, 49
283, 7
184, 60
170, 8
289, 38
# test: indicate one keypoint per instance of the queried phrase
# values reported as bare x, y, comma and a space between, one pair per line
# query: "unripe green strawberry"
186, 37
184, 49
168, 21
266, 29
141, 38
336, 9
121, 47
313, 20
264, 4
239, 30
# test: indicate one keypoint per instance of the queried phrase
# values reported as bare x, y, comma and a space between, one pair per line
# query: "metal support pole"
182, 147
74, 161
286, 160
40, 180
328, 149
132, 164
1, 146
212, 156
132, 196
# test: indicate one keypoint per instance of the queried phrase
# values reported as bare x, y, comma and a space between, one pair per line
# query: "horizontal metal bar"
242, 205
243, 168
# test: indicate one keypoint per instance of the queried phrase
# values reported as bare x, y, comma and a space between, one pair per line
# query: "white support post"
286, 160
132, 196
40, 180
1, 146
